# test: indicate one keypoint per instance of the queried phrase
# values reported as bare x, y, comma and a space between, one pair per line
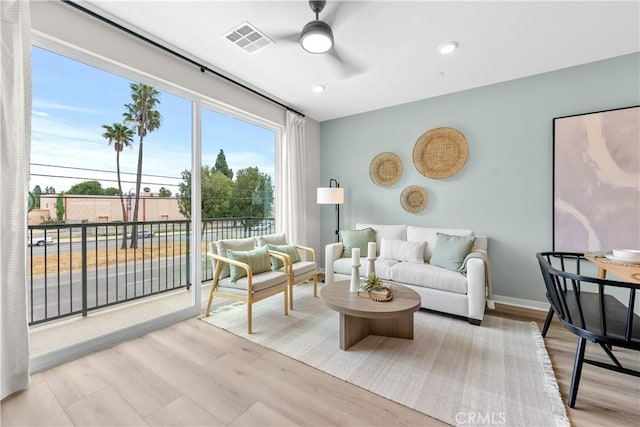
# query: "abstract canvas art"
596, 181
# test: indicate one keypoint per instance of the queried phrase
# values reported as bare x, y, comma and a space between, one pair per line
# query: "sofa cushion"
383, 268
257, 259
271, 239
401, 250
398, 232
430, 235
222, 246
290, 250
450, 251
429, 276
356, 239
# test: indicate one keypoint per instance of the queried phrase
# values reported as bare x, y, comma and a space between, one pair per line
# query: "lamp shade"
330, 196
316, 37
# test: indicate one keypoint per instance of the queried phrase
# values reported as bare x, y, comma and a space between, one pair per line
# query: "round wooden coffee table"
361, 316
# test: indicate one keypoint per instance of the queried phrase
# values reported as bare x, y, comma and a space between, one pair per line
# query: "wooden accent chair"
302, 266
587, 307
253, 286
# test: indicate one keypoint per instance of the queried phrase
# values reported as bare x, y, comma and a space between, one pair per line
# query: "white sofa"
439, 288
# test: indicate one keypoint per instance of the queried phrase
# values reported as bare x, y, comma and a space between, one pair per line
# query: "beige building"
79, 208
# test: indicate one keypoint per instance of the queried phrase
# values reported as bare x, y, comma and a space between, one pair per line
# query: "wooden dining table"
626, 271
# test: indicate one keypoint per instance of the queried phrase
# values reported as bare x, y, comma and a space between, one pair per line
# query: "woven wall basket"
414, 198
440, 152
385, 169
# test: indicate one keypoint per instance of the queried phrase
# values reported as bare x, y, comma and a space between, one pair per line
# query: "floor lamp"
332, 195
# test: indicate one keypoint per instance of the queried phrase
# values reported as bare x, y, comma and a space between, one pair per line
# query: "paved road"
104, 286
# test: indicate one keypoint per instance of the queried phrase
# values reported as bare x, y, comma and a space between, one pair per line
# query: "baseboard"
524, 303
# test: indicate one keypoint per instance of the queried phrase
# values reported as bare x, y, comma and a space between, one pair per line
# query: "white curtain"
15, 148
293, 180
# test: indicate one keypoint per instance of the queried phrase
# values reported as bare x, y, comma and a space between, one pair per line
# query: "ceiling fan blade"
348, 67
287, 38
330, 15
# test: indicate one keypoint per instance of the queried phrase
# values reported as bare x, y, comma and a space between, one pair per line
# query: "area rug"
498, 373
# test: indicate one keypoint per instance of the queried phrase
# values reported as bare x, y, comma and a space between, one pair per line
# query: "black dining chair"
596, 310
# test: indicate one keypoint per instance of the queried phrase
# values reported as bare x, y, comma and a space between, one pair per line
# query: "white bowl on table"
626, 255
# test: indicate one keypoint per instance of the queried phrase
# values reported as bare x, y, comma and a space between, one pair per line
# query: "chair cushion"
303, 268
356, 239
258, 260
450, 251
429, 276
290, 250
401, 250
235, 245
261, 282
272, 239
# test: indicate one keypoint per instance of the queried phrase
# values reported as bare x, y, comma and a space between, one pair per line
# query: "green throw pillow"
222, 246
290, 250
357, 239
258, 260
450, 251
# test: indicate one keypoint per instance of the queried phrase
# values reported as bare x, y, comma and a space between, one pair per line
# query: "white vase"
355, 278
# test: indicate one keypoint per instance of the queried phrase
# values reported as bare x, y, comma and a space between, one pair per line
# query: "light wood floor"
194, 374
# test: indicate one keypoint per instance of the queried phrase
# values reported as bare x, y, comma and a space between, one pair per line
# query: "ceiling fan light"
316, 37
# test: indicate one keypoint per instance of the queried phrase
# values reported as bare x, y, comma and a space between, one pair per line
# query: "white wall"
505, 188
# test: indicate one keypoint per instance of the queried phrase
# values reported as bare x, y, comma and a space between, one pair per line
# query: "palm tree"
142, 116
121, 136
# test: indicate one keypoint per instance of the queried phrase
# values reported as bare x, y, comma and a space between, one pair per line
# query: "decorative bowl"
632, 255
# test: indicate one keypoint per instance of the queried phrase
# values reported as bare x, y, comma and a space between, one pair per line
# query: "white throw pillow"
401, 250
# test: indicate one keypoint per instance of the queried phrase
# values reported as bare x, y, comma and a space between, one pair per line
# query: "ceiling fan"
317, 38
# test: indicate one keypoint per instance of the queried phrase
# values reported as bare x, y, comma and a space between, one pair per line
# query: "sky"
71, 102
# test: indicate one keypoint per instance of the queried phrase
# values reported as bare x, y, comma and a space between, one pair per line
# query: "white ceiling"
390, 45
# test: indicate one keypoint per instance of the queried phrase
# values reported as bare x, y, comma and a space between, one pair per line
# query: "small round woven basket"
414, 198
440, 152
385, 169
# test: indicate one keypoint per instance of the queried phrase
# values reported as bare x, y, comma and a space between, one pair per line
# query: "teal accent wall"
504, 190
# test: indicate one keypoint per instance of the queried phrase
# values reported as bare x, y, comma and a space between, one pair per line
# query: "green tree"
37, 191
216, 189
252, 195
222, 166
60, 207
163, 192
93, 188
121, 136
49, 190
111, 191
143, 117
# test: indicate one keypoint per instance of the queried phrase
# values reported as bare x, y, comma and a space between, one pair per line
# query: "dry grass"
104, 257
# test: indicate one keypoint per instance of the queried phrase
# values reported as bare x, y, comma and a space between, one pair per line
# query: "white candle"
371, 250
355, 256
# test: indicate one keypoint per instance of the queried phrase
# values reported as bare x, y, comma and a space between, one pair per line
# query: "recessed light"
318, 88
447, 47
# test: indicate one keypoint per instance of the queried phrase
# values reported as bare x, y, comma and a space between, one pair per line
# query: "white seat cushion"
342, 266
383, 268
429, 276
261, 281
303, 267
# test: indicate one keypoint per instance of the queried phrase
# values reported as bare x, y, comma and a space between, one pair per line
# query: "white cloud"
41, 104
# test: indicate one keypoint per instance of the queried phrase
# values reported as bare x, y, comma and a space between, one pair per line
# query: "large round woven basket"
414, 198
385, 169
440, 152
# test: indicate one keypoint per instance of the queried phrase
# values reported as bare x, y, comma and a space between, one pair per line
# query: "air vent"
248, 37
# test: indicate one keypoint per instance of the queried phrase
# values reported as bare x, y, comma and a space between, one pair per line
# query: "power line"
102, 179
102, 170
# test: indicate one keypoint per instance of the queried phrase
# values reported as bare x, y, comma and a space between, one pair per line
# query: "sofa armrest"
332, 252
476, 287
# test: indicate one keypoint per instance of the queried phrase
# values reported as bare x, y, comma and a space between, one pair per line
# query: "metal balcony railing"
76, 268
